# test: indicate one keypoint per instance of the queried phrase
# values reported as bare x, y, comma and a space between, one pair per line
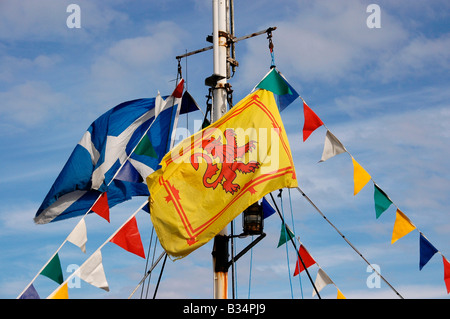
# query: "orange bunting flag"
101, 207
446, 273
360, 177
312, 121
128, 238
402, 226
61, 293
340, 295
307, 259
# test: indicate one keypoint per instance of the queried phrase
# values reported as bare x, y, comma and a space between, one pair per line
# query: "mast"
219, 107
223, 40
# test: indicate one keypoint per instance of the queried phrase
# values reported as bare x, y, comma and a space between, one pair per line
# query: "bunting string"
403, 225
275, 82
91, 270
100, 206
322, 278
346, 240
305, 260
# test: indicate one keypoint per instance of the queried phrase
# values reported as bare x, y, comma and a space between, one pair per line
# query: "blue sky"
384, 93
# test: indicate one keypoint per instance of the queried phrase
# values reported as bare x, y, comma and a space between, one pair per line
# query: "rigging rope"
150, 276
250, 272
160, 276
286, 239
295, 247
293, 228
146, 262
346, 240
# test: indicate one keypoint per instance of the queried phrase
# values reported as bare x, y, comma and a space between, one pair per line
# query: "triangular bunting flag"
92, 271
274, 83
285, 100
101, 207
30, 293
322, 280
61, 293
382, 201
78, 236
312, 121
446, 273
268, 210
53, 270
128, 238
284, 236
332, 147
340, 295
188, 104
360, 177
427, 250
307, 259
402, 226
129, 173
145, 147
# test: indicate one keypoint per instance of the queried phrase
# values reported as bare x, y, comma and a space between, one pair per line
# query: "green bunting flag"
284, 237
382, 201
273, 82
145, 147
53, 270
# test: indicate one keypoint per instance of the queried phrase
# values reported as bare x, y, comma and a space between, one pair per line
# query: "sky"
383, 92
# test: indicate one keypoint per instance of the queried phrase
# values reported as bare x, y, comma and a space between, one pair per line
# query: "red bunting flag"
307, 259
446, 274
128, 238
101, 207
312, 121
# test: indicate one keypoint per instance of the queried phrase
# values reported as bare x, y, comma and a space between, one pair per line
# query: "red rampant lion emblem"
228, 155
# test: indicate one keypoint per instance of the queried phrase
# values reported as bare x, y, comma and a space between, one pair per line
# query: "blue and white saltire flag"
99, 163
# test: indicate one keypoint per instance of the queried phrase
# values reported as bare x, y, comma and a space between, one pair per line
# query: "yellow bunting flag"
402, 226
340, 295
61, 293
211, 177
360, 177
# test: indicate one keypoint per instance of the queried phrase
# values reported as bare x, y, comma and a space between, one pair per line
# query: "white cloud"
138, 65
29, 104
421, 56
14, 68
329, 41
46, 20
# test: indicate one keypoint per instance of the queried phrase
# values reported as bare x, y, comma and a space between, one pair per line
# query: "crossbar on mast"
235, 40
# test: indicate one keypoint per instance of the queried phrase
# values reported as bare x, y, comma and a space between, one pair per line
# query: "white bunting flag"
92, 271
78, 236
332, 147
322, 280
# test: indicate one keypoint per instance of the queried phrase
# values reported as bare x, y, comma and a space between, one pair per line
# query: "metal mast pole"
219, 107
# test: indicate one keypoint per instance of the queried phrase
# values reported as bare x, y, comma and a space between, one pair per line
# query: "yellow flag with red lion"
209, 178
